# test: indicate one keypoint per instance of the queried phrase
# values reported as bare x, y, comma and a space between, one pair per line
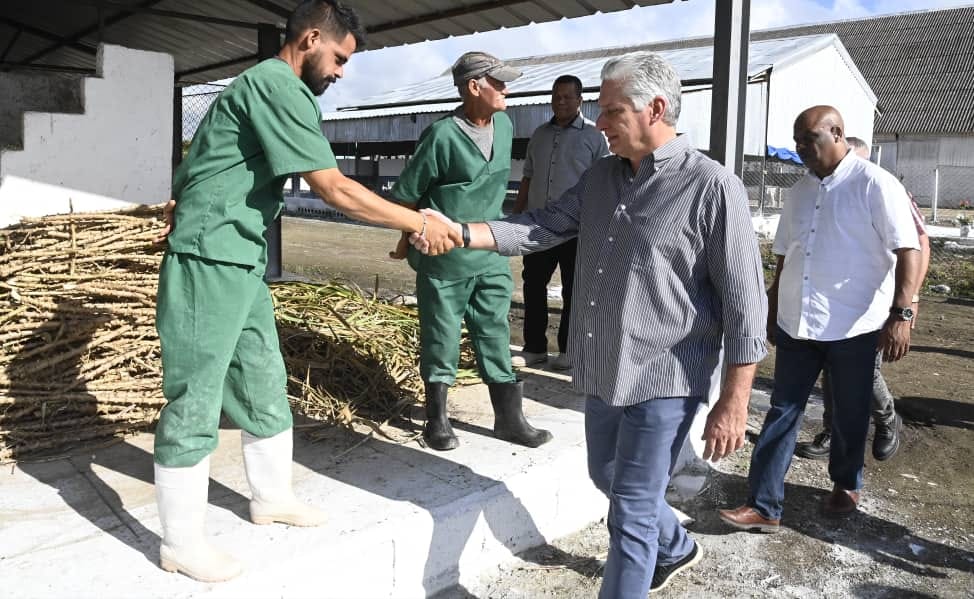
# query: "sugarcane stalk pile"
80, 359
79, 356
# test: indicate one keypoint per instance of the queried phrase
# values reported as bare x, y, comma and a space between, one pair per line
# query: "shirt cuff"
505, 237
745, 350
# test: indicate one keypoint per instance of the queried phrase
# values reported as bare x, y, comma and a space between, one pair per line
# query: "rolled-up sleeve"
734, 266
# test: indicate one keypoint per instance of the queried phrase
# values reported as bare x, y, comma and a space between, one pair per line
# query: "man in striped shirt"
668, 267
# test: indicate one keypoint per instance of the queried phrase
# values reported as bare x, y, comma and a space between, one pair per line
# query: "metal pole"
268, 45
731, 33
177, 126
936, 192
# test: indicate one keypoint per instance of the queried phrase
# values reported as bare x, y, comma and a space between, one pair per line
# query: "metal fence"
196, 101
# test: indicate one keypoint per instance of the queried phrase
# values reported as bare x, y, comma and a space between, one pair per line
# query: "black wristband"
465, 234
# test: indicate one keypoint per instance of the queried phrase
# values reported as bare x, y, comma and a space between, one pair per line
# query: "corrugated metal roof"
692, 63
30, 30
919, 64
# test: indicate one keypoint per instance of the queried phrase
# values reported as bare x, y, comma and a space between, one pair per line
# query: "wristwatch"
902, 313
465, 234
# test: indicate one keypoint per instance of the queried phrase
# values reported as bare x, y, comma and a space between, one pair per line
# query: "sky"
374, 72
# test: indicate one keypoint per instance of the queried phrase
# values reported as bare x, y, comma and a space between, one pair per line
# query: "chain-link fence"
196, 101
767, 181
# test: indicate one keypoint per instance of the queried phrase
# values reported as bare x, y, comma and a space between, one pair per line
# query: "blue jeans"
631, 453
797, 366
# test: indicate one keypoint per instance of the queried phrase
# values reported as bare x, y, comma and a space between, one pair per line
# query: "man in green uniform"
461, 167
214, 314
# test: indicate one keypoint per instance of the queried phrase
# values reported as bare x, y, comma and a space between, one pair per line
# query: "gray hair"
463, 90
644, 76
856, 143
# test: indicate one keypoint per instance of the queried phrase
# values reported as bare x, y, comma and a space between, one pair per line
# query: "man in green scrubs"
461, 167
215, 317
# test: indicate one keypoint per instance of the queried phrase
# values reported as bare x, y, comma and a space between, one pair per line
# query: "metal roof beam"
41, 33
216, 65
10, 46
75, 37
16, 66
269, 6
444, 14
171, 14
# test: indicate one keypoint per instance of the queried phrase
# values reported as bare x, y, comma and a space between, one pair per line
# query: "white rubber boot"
181, 497
268, 466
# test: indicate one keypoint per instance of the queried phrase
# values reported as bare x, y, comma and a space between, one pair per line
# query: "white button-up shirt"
837, 235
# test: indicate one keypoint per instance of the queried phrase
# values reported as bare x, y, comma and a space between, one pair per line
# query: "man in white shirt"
886, 439
848, 260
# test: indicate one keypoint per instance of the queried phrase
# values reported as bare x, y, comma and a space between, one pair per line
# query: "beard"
317, 85
309, 74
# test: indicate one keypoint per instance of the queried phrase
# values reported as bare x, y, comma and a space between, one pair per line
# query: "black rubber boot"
509, 422
437, 432
886, 440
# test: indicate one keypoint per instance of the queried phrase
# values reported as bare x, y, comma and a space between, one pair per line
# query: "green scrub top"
449, 173
265, 126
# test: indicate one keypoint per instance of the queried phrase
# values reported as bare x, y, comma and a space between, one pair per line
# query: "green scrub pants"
483, 302
219, 351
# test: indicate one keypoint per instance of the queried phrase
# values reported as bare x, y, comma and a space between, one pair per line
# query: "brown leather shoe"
748, 518
840, 502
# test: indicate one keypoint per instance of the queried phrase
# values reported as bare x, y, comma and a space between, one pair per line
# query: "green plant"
964, 220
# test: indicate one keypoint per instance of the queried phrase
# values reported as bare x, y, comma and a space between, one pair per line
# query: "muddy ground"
914, 536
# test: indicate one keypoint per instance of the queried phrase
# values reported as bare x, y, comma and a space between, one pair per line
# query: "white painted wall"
120, 148
695, 118
823, 77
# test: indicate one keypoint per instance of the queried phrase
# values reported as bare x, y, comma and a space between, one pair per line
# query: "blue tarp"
784, 154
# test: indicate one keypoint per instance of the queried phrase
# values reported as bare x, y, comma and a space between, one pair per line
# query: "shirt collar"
578, 123
671, 149
841, 171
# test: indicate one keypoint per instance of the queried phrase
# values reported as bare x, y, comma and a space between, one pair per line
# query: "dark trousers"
538, 268
797, 366
882, 406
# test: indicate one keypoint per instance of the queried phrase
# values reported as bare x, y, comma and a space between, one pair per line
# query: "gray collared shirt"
668, 264
557, 156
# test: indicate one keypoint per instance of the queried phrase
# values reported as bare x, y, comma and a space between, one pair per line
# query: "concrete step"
406, 521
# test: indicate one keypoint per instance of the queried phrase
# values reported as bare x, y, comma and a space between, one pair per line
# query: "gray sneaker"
528, 359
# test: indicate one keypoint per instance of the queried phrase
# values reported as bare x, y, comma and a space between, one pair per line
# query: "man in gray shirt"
668, 272
558, 153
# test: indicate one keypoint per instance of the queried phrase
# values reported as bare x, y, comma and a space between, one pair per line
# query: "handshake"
440, 236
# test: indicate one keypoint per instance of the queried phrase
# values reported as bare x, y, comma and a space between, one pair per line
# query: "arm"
355, 201
924, 265
894, 338
522, 195
727, 421
734, 267
773, 301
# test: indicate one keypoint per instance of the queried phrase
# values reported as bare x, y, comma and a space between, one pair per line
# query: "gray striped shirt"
668, 264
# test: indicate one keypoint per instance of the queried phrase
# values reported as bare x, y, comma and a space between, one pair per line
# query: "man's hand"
402, 247
894, 339
167, 212
724, 431
727, 421
437, 225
